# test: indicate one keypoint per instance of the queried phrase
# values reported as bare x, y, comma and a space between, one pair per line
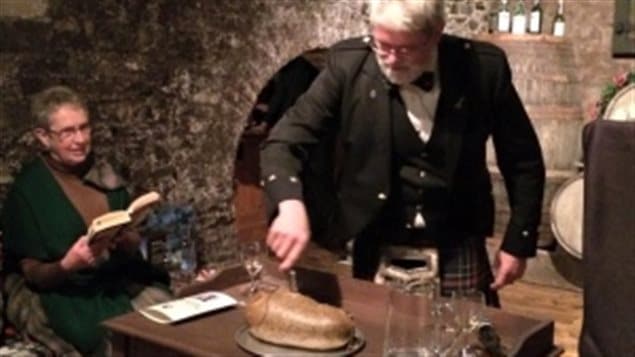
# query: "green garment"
41, 223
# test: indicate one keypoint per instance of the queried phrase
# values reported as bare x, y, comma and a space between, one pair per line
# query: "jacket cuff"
280, 188
520, 241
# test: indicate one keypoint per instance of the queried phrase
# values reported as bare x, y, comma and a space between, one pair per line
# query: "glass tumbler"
408, 318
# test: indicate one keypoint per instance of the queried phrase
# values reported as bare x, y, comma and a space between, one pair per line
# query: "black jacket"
348, 107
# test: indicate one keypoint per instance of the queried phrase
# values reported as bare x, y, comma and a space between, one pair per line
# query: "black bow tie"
425, 81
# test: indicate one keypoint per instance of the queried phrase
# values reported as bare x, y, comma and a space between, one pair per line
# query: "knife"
293, 282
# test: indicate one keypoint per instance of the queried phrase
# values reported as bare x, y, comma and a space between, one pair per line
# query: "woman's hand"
206, 274
83, 255
127, 240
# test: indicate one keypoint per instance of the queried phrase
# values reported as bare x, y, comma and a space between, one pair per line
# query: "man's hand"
508, 268
83, 255
289, 233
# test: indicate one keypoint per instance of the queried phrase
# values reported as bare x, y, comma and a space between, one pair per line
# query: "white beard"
402, 76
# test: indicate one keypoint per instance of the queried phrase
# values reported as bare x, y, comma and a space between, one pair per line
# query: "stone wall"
170, 83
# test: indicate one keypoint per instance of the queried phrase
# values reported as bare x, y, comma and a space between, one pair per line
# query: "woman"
48, 209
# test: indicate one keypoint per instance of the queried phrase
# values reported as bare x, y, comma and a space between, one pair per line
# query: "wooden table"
213, 335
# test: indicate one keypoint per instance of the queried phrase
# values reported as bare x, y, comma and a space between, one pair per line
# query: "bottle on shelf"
492, 21
519, 20
504, 19
558, 21
535, 18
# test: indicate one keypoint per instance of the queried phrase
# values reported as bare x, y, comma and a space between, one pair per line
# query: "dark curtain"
609, 240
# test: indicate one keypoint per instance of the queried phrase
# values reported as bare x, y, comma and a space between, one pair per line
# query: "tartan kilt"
466, 266
463, 264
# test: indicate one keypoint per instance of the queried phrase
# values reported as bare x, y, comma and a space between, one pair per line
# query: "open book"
109, 224
184, 308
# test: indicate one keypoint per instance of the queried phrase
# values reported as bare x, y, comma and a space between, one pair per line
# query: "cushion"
25, 312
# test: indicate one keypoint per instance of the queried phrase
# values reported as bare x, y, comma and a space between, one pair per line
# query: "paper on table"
184, 308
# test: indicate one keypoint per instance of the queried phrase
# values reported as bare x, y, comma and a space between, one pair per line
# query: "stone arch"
304, 33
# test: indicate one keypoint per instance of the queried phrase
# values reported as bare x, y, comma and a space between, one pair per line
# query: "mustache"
401, 74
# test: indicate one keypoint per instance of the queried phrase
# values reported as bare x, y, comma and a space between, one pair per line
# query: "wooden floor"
562, 306
543, 302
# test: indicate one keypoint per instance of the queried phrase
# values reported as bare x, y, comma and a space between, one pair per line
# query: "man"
412, 110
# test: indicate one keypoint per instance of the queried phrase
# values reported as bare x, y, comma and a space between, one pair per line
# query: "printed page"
181, 309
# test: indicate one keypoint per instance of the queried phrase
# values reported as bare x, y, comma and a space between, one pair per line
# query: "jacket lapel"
378, 92
451, 115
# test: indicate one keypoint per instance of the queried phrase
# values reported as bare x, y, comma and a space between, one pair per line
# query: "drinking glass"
188, 257
443, 331
249, 253
419, 323
405, 323
469, 306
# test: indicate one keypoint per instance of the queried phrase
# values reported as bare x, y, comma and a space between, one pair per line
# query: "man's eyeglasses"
385, 49
66, 134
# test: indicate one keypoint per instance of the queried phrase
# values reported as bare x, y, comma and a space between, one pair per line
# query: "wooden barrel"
621, 107
567, 215
543, 73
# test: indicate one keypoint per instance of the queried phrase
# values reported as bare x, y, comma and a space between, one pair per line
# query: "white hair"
407, 15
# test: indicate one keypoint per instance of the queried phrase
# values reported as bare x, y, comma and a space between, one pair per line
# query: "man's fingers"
286, 264
292, 256
277, 243
271, 237
288, 233
287, 249
502, 279
285, 246
513, 276
508, 269
497, 284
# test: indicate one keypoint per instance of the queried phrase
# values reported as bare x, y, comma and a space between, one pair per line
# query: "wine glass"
250, 258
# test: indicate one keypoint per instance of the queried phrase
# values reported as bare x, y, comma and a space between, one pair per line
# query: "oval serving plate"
251, 344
